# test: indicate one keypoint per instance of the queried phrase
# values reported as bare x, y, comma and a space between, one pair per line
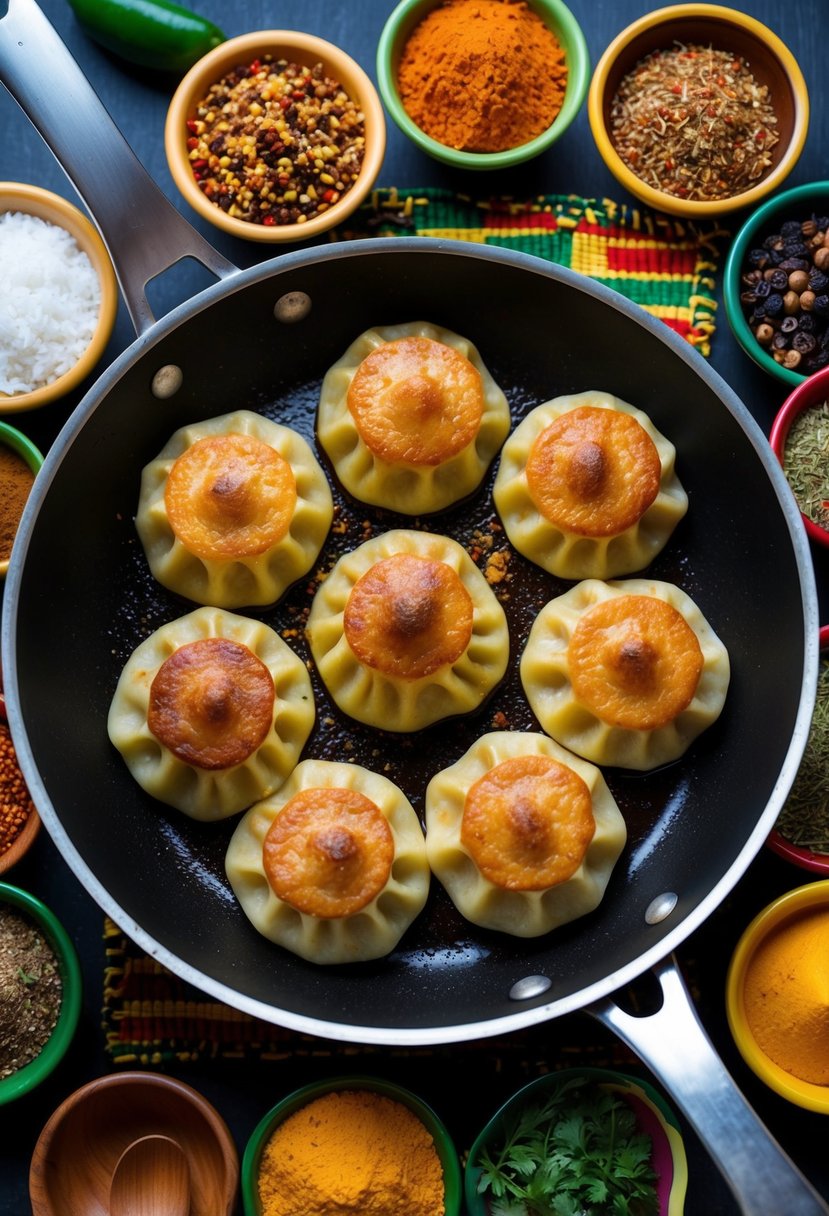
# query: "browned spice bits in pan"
275, 142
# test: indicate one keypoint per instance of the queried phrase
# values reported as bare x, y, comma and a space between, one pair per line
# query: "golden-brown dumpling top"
411, 418
625, 673
522, 834
211, 712
405, 630
233, 510
587, 487
333, 865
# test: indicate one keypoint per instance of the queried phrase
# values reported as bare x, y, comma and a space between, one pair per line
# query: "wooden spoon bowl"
79, 1148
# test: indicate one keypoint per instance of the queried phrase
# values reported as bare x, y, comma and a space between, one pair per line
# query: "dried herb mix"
806, 462
30, 991
693, 122
804, 819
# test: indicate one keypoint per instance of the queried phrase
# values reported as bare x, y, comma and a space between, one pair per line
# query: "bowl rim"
690, 209
780, 202
798, 400
12, 438
38, 1069
66, 215
210, 67
397, 27
294, 1101
800, 1093
615, 1079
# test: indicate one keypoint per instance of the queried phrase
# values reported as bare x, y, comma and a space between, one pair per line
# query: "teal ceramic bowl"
798, 203
555, 15
653, 1116
31, 1075
23, 446
301, 1097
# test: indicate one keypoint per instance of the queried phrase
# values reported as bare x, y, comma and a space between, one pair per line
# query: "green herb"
576, 1152
806, 462
804, 819
25, 978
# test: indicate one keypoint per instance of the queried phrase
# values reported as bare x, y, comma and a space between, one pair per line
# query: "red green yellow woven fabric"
666, 265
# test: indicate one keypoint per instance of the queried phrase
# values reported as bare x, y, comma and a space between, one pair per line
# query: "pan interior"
86, 599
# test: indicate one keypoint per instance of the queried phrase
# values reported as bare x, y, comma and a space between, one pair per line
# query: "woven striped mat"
667, 266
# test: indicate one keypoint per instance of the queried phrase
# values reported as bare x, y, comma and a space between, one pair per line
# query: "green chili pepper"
151, 33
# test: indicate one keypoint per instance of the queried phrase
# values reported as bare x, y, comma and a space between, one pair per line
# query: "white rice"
49, 304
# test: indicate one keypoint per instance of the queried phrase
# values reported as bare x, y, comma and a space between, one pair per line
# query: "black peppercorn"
778, 278
818, 281
762, 290
820, 306
790, 228
788, 325
774, 304
758, 258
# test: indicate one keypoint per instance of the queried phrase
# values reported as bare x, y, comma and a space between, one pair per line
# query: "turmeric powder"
786, 996
351, 1152
482, 75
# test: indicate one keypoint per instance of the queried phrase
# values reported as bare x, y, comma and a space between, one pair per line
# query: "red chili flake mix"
693, 122
15, 802
275, 142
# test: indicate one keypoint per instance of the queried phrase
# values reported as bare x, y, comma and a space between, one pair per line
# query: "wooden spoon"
151, 1178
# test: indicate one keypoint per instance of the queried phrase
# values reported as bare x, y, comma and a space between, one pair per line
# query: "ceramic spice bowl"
580, 1091
771, 318
53, 282
382, 1138
507, 66
81, 1144
19, 820
32, 959
318, 136
776, 996
715, 94
20, 462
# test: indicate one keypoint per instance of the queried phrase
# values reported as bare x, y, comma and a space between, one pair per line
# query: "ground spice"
693, 121
351, 1153
15, 802
786, 996
806, 462
804, 819
30, 992
16, 479
275, 142
482, 75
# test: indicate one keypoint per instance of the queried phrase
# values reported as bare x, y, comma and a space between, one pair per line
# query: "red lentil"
275, 142
694, 122
15, 802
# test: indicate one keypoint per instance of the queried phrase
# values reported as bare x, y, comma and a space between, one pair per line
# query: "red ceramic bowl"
816, 863
810, 392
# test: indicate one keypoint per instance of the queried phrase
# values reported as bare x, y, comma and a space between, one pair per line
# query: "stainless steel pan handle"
142, 230
674, 1045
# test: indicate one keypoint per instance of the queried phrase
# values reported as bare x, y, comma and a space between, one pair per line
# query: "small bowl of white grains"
59, 301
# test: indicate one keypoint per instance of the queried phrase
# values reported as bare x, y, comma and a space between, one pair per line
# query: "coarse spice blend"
694, 122
275, 142
15, 802
30, 992
16, 480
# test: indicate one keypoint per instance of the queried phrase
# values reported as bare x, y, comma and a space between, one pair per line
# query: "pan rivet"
293, 306
531, 985
167, 381
660, 907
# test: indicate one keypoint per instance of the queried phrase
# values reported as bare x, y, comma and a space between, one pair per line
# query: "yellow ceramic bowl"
33, 200
300, 48
722, 28
801, 1093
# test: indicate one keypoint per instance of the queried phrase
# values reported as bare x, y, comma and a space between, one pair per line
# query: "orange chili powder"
482, 75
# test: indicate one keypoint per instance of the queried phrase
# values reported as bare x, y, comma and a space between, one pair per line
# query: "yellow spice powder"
351, 1152
786, 996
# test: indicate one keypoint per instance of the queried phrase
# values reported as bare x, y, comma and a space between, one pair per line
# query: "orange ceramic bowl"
299, 48
32, 200
25, 838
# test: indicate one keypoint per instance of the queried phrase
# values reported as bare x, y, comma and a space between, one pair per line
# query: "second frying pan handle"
142, 230
674, 1045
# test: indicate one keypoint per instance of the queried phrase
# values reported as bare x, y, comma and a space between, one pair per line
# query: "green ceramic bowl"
799, 203
555, 15
19, 443
653, 1116
31, 1075
301, 1097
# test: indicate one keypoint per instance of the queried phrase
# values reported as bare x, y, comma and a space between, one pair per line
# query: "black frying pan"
79, 598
